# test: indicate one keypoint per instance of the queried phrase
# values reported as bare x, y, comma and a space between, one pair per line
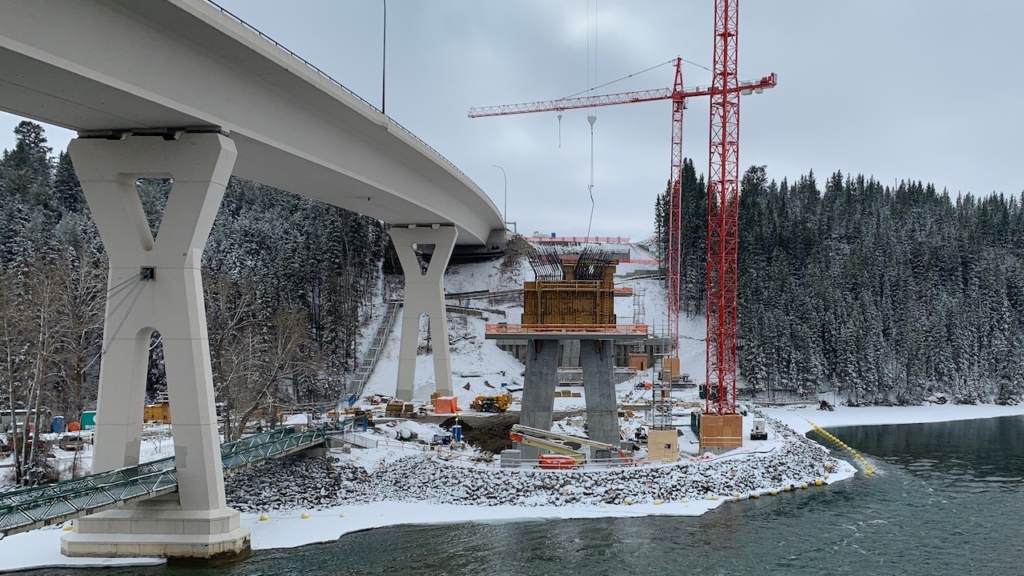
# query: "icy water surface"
949, 499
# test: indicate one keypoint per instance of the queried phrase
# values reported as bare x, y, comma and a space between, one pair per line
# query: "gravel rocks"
317, 482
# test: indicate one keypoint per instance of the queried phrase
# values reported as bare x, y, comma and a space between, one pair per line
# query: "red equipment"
723, 193
723, 215
555, 462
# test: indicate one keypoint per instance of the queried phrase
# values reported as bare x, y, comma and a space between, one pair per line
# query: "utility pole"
504, 215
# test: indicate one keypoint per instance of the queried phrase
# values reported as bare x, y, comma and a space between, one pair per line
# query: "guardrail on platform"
525, 329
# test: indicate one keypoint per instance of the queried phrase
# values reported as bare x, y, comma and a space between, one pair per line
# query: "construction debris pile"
307, 483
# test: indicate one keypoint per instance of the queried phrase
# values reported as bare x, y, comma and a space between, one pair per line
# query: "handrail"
26, 508
638, 329
327, 77
597, 239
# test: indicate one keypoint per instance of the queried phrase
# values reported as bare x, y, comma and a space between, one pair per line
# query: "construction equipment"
572, 446
491, 403
759, 432
722, 190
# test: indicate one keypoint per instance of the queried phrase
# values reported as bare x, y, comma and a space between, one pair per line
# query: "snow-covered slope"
476, 362
481, 365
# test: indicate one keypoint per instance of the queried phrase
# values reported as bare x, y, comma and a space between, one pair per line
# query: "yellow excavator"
562, 444
491, 403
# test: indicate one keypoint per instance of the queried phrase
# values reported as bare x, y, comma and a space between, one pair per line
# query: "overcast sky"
919, 89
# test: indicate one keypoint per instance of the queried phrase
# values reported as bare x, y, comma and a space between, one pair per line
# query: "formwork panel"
671, 365
662, 445
721, 431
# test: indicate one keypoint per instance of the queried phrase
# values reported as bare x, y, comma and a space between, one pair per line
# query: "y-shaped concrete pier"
162, 289
424, 294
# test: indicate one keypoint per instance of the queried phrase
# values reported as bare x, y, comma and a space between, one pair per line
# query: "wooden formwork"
568, 302
639, 362
721, 431
662, 445
670, 365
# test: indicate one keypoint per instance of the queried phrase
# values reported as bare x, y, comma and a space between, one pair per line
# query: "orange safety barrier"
566, 329
624, 290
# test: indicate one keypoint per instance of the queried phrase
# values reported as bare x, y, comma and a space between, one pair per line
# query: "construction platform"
568, 331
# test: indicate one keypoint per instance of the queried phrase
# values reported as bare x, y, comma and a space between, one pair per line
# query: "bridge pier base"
538, 389
424, 294
598, 360
157, 285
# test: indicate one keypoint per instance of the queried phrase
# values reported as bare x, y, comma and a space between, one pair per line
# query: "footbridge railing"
29, 508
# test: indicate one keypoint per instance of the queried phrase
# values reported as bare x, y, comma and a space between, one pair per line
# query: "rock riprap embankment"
318, 482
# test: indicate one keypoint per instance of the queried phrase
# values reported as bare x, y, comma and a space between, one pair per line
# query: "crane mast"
675, 202
723, 215
722, 191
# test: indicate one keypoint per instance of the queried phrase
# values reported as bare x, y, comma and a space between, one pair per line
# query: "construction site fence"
595, 239
526, 329
361, 441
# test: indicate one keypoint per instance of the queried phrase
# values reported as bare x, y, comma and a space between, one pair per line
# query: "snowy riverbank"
796, 417
692, 489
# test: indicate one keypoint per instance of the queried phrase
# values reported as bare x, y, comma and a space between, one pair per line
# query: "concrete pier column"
157, 285
424, 294
570, 354
539, 388
597, 357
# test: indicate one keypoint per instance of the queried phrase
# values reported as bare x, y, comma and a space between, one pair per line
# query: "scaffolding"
638, 305
661, 406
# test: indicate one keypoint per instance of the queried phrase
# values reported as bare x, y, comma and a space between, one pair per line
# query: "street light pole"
504, 216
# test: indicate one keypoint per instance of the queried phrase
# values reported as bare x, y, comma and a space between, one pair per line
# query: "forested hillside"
888, 294
287, 282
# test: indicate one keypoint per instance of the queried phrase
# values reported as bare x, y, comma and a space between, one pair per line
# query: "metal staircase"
29, 508
380, 340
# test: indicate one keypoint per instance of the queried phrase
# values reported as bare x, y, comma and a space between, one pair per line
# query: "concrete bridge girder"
162, 285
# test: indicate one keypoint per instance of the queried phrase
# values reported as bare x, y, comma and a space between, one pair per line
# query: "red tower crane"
725, 92
723, 215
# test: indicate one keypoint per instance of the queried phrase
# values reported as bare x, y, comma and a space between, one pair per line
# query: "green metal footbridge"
29, 508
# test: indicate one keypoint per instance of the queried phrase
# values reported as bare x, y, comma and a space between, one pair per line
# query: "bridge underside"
185, 64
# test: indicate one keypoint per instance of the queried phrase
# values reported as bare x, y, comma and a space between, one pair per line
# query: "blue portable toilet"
457, 432
58, 424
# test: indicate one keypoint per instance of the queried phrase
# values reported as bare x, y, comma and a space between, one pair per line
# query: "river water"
948, 499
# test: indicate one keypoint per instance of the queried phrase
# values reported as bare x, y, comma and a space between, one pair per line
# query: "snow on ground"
799, 417
475, 361
156, 444
41, 549
349, 494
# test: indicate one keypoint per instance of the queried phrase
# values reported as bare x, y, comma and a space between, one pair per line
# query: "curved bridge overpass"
182, 89
102, 66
